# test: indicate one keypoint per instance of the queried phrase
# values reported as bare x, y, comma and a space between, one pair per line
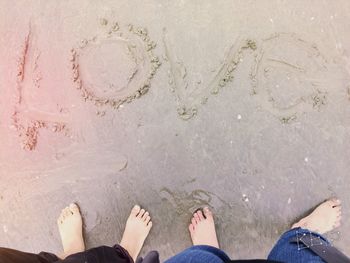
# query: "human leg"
70, 226
69, 223
8, 255
323, 219
136, 231
301, 243
205, 247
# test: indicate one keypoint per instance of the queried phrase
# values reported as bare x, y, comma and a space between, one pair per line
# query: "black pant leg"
8, 255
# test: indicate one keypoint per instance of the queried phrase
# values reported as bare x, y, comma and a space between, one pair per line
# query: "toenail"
136, 208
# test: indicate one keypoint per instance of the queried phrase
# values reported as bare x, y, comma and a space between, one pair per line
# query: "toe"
337, 224
193, 221
145, 215
208, 214
63, 216
142, 211
74, 208
200, 215
149, 225
335, 202
59, 220
191, 229
196, 217
135, 210
337, 209
147, 219
66, 212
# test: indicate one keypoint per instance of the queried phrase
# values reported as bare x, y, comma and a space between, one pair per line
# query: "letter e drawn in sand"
289, 76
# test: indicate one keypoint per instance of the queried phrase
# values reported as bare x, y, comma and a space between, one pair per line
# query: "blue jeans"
283, 251
200, 254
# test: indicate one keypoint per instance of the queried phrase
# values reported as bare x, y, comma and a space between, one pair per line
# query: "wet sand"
242, 106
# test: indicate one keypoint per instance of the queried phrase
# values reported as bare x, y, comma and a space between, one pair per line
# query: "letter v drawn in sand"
189, 99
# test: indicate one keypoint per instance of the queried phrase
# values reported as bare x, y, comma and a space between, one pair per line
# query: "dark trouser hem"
151, 257
103, 254
8, 255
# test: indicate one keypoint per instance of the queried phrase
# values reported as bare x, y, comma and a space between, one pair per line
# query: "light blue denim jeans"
200, 254
283, 251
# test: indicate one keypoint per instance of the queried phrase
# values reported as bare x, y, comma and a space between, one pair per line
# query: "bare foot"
70, 226
137, 229
202, 229
324, 218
